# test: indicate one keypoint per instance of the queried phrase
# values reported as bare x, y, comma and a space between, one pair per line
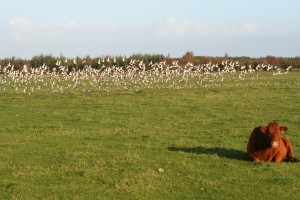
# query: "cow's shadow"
221, 152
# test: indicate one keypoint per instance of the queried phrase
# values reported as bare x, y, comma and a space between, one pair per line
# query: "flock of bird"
135, 76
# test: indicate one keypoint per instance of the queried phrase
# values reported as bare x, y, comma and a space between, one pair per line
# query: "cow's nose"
274, 144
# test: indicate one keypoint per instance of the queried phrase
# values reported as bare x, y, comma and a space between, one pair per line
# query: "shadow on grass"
221, 152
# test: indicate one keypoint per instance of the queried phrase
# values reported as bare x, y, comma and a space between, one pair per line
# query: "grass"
110, 145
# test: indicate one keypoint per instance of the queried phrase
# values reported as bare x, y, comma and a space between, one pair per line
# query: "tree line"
147, 59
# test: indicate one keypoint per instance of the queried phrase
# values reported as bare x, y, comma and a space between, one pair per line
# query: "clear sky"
73, 28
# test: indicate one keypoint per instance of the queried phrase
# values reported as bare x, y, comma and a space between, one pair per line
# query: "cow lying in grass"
266, 144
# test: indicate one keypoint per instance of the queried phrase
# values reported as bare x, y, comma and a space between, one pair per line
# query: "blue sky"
73, 28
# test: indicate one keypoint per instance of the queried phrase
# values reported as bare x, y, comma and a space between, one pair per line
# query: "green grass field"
147, 144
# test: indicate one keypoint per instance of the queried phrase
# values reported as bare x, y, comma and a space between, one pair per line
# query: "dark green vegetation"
112, 145
120, 61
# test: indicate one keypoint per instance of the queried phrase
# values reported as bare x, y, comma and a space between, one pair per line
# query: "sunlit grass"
110, 145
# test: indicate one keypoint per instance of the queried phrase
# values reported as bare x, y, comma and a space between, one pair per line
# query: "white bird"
288, 69
57, 63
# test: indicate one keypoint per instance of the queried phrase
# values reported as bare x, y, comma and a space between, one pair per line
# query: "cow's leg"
275, 155
289, 154
288, 146
262, 155
254, 158
279, 157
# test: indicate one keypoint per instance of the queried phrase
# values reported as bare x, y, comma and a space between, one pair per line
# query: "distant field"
183, 141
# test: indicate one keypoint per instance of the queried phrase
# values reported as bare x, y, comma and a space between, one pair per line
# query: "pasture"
183, 141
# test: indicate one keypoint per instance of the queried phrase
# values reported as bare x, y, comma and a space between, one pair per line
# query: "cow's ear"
283, 129
263, 129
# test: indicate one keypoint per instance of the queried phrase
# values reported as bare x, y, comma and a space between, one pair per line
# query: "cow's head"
272, 132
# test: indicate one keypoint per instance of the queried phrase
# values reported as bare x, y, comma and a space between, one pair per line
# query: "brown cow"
266, 144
